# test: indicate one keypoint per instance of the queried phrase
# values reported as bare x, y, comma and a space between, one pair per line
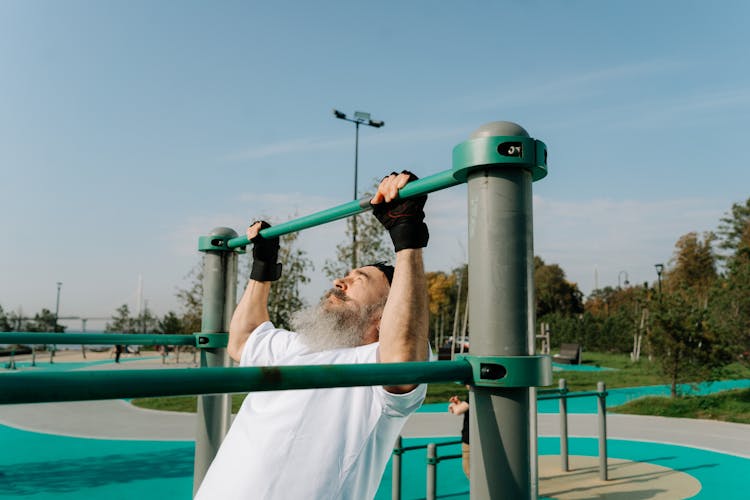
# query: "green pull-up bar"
95, 339
430, 184
39, 387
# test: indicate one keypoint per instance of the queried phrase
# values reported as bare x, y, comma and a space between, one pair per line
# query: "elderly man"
328, 443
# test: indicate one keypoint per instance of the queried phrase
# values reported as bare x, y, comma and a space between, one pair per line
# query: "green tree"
693, 266
730, 311
122, 321
685, 346
553, 292
44, 322
170, 323
733, 229
372, 244
285, 297
5, 324
683, 340
439, 288
145, 321
191, 300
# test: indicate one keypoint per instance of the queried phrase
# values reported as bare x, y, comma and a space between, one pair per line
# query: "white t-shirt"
312, 443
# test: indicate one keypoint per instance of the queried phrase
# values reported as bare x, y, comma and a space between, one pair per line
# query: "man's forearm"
251, 312
404, 325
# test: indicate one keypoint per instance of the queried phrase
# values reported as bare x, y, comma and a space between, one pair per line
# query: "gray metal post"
396, 470
219, 296
531, 338
499, 232
602, 398
431, 471
563, 386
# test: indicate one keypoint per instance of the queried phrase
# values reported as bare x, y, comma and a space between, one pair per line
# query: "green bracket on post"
211, 340
500, 151
218, 240
510, 371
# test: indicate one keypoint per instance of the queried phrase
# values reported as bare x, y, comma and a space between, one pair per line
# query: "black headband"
385, 269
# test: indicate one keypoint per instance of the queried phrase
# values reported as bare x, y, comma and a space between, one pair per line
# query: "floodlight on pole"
659, 270
360, 118
626, 278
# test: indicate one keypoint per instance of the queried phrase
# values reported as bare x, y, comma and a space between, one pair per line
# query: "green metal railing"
27, 338
114, 384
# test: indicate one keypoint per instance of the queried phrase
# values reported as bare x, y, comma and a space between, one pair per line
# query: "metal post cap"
217, 239
500, 145
493, 129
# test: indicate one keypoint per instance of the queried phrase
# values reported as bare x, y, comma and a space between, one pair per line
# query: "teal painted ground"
558, 367
47, 467
68, 366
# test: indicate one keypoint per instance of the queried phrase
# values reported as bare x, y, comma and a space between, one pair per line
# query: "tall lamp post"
57, 313
659, 270
360, 118
626, 278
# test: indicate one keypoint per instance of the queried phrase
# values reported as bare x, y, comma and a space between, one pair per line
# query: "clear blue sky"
130, 128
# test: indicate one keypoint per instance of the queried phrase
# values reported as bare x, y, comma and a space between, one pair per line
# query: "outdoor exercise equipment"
499, 163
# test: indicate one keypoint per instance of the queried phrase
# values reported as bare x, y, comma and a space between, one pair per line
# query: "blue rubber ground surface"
67, 366
46, 467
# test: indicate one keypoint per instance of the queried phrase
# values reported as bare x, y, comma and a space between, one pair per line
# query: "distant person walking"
118, 352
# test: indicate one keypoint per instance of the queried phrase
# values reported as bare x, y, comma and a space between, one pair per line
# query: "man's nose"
340, 284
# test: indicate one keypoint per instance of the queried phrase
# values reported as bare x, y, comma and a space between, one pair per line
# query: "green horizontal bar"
95, 338
448, 457
436, 182
572, 395
551, 391
39, 387
423, 446
448, 443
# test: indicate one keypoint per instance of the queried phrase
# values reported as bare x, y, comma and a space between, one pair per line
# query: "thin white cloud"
286, 147
307, 144
611, 236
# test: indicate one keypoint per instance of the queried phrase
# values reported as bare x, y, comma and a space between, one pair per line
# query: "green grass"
186, 404
728, 406
629, 374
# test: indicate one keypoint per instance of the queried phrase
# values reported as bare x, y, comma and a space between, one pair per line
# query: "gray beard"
322, 329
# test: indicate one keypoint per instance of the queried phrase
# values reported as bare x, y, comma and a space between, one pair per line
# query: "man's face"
362, 287
345, 317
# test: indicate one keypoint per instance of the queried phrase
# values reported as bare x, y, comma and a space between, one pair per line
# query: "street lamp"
57, 305
659, 270
360, 118
626, 278
57, 313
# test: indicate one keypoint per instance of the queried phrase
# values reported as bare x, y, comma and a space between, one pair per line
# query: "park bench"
569, 354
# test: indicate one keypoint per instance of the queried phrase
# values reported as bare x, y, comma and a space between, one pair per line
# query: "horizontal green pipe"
39, 387
571, 395
436, 182
95, 338
423, 446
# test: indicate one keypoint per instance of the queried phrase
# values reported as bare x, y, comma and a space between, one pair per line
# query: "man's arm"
252, 311
405, 320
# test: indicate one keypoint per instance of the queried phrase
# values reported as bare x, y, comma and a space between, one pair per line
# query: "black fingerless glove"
404, 220
265, 255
